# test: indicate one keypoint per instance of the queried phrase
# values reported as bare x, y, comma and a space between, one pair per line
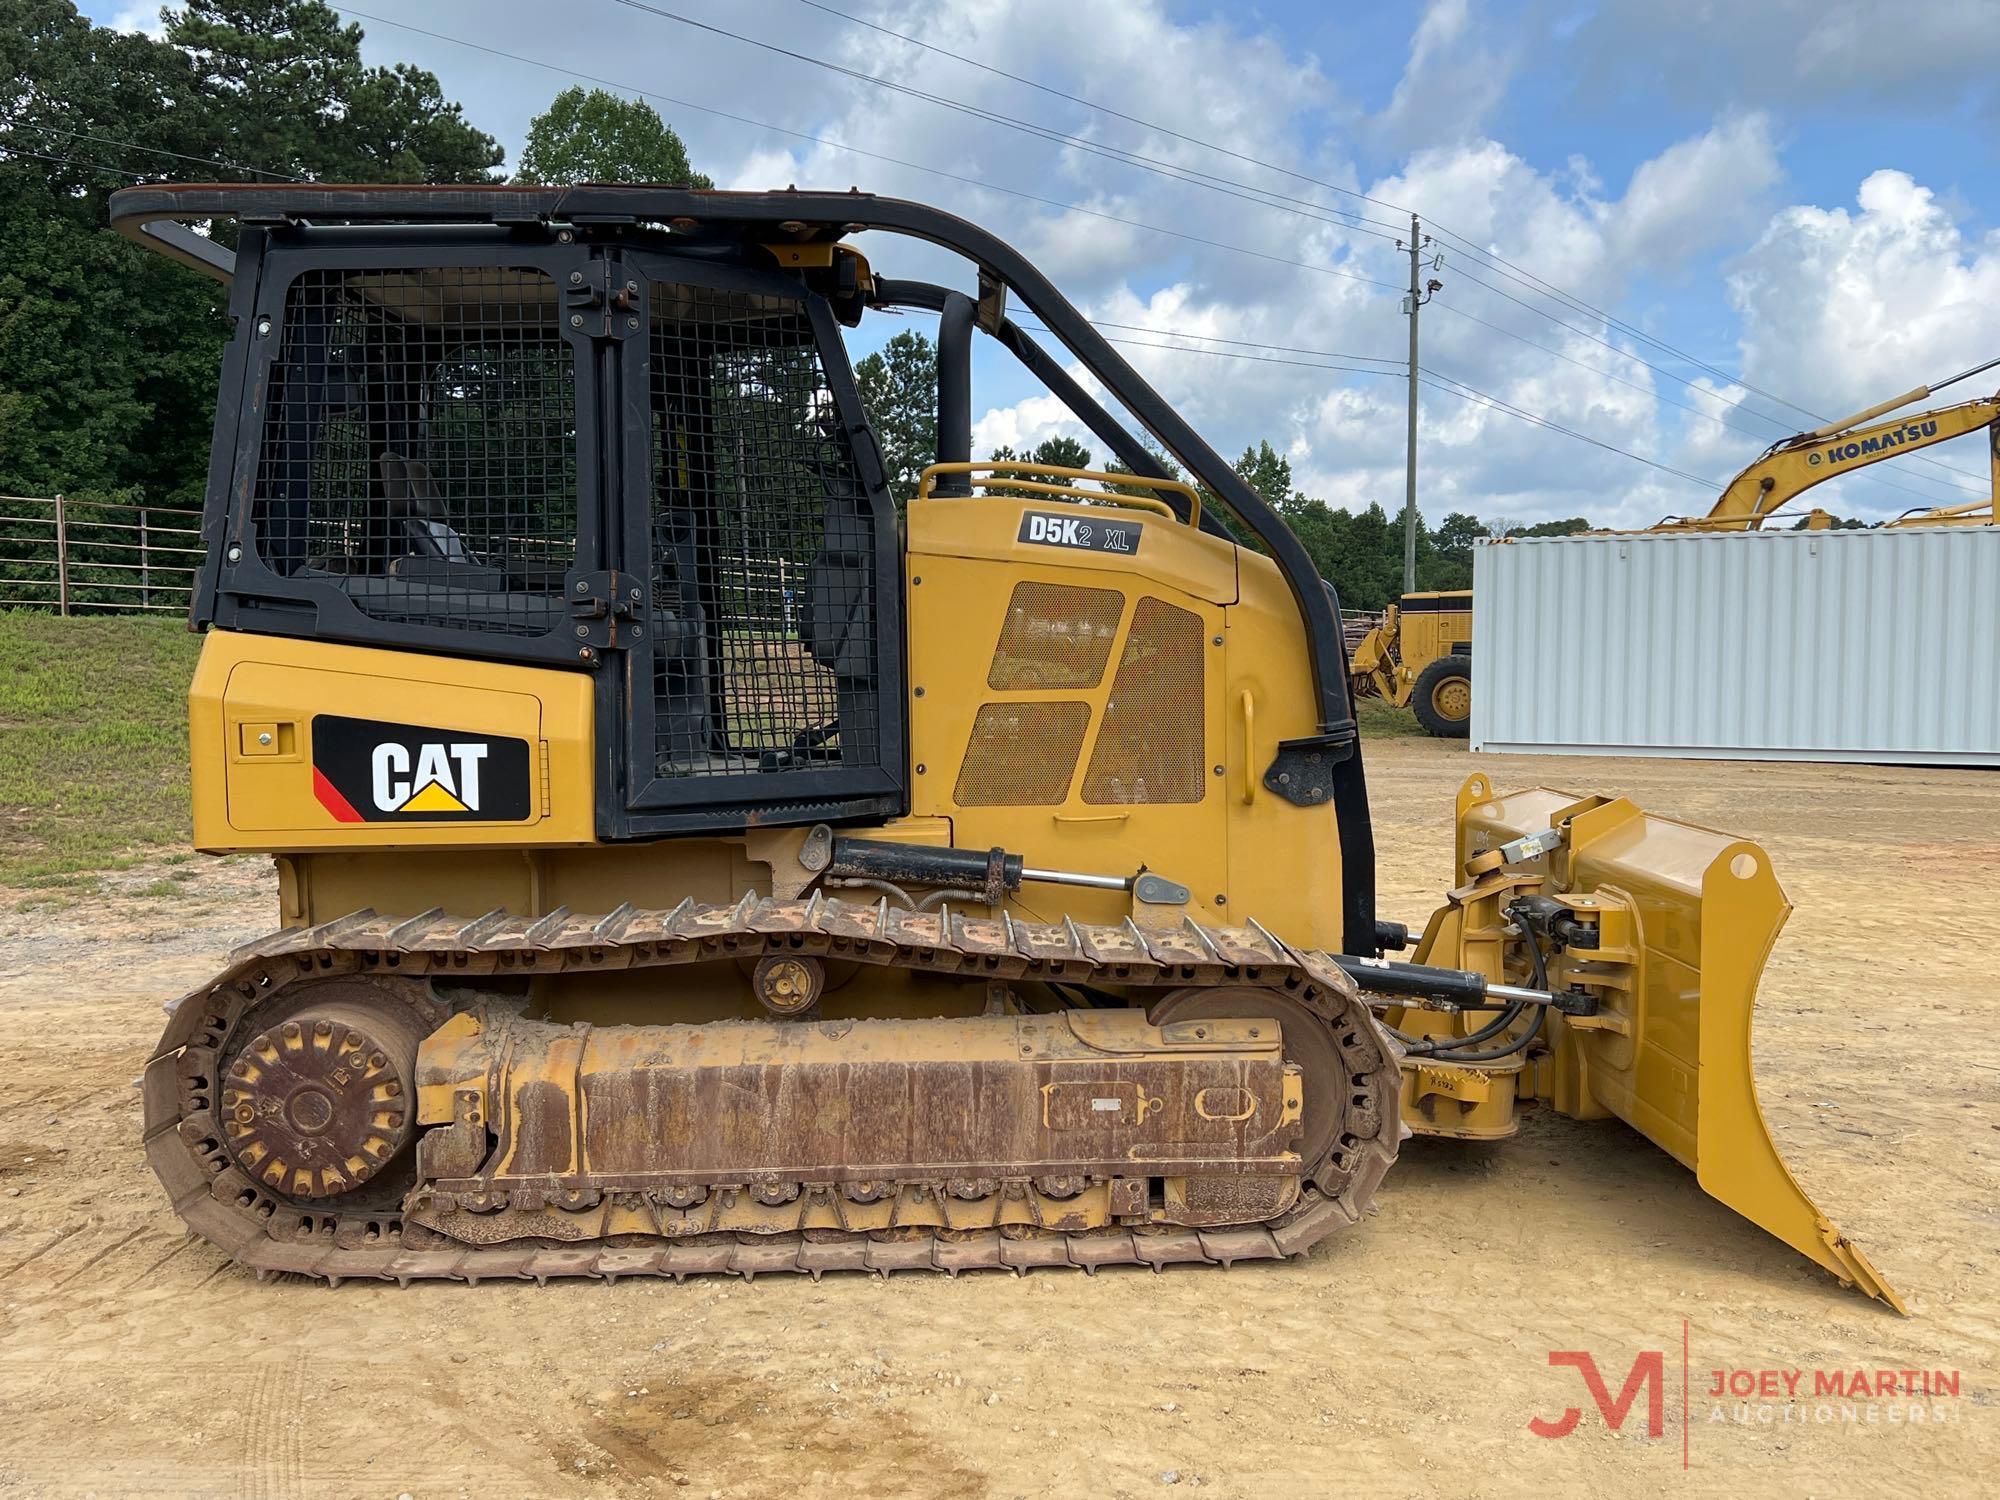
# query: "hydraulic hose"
1519, 1044
1454, 1050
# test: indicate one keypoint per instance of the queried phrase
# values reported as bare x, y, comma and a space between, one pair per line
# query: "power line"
1656, 369
1498, 263
1449, 385
1458, 388
1647, 391
983, 184
1229, 187
1504, 267
1053, 203
1029, 197
1258, 359
71, 161
1246, 343
895, 161
206, 161
1117, 114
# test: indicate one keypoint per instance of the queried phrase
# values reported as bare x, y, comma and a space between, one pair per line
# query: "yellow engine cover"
302, 745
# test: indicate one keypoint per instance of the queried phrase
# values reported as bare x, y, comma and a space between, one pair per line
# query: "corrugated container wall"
1785, 645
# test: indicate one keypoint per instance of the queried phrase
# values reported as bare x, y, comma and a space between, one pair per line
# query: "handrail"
1012, 475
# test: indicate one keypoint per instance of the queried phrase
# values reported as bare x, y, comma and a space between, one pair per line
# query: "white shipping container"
1766, 645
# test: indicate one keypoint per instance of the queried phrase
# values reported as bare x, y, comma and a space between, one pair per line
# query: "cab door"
762, 669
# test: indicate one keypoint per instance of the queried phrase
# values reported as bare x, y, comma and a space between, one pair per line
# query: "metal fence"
96, 556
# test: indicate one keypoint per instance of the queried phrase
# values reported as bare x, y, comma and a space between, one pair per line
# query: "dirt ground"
1407, 1355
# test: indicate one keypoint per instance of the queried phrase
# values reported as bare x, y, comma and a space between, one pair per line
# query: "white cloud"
1842, 309
1228, 80
1696, 195
1453, 81
1026, 423
142, 17
1344, 431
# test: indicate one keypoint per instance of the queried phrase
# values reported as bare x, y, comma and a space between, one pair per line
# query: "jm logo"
443, 779
1648, 1374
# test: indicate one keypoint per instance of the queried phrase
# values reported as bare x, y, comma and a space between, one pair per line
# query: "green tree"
109, 354
598, 136
1057, 453
279, 86
1571, 526
899, 393
1451, 552
1268, 472
1164, 459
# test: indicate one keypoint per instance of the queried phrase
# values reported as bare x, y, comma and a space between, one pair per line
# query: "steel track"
272, 1236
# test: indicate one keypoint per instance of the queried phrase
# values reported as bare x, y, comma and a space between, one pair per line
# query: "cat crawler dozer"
689, 860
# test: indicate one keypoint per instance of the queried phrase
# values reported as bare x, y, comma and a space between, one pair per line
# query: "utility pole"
1419, 295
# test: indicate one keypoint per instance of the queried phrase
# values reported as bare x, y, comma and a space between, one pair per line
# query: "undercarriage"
369, 1098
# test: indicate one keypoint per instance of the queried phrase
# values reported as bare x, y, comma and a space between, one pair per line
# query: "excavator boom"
1796, 465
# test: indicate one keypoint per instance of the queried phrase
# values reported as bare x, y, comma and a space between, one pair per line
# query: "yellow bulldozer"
1419, 654
690, 861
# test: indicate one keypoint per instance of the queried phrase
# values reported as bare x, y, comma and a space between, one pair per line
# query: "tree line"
108, 353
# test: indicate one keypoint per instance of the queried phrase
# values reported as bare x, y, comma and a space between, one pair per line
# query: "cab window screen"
763, 545
419, 451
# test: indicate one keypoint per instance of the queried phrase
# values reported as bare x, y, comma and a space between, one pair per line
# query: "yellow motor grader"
1419, 657
690, 862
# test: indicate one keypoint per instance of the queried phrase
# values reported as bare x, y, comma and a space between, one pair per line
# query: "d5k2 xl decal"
1085, 533
366, 771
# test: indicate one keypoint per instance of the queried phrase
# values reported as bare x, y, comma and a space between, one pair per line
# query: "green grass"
1381, 720
93, 743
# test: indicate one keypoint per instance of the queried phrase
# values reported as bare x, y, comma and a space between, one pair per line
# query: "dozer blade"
1687, 919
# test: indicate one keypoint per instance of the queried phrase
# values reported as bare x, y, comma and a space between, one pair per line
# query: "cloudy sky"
1678, 231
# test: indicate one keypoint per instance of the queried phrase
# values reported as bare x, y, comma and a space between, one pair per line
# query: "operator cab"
442, 442
616, 430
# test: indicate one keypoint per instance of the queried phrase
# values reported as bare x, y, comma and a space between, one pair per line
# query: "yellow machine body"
1683, 919
1022, 662
571, 653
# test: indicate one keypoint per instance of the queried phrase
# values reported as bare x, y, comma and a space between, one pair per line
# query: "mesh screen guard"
458, 450
763, 571
419, 451
1056, 636
1149, 748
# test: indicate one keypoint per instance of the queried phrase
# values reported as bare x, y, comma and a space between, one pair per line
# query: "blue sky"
1792, 197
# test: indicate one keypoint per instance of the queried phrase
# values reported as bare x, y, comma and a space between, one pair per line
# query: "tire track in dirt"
271, 1456
187, 1242
34, 1255
83, 1266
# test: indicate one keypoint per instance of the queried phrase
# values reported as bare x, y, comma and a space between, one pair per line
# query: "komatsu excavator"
1787, 469
691, 861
